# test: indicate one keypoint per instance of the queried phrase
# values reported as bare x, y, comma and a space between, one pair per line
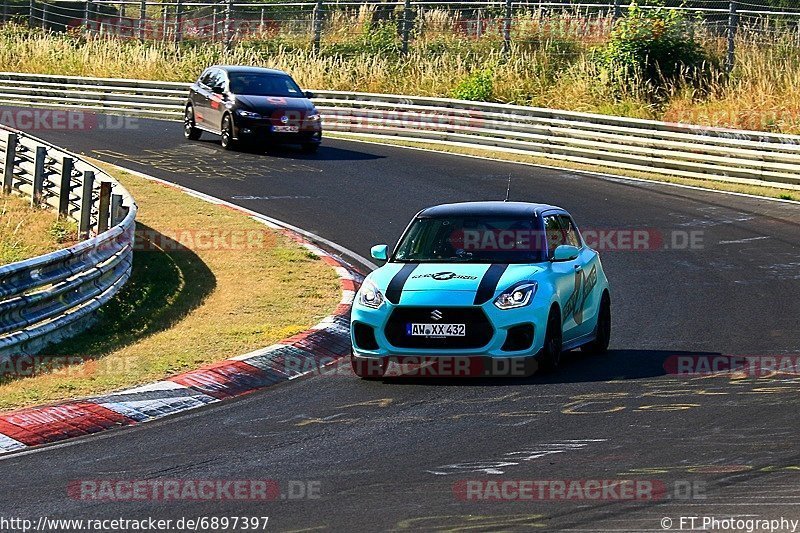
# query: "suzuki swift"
494, 286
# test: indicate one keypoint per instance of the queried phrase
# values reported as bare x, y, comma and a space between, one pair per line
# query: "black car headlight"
370, 296
247, 114
518, 295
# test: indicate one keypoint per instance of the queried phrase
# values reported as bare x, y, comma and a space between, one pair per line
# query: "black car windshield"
258, 84
473, 239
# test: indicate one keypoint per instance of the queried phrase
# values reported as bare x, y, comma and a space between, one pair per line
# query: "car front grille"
479, 330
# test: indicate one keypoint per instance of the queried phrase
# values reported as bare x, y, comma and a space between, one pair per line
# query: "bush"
477, 86
655, 45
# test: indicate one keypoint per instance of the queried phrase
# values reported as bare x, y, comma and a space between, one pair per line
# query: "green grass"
26, 232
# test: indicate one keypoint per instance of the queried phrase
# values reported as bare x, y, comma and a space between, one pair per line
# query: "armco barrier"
614, 142
52, 296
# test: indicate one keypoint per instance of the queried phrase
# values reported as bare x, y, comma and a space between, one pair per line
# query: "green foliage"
380, 38
655, 45
477, 86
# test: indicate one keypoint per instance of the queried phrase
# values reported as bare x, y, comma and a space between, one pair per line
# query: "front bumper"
502, 322
246, 129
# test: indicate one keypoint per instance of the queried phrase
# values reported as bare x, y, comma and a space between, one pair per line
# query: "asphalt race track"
721, 275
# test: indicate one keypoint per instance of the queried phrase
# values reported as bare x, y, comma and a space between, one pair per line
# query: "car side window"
205, 78
554, 233
571, 234
217, 79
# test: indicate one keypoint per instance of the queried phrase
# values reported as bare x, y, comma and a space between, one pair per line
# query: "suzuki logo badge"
284, 119
436, 314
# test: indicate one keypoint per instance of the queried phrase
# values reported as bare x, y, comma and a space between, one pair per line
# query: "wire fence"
339, 23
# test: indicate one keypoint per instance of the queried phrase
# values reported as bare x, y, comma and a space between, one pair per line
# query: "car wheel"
228, 142
600, 344
310, 148
189, 130
368, 368
551, 351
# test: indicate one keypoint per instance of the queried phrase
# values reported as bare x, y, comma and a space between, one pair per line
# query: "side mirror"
309, 94
379, 252
565, 252
218, 89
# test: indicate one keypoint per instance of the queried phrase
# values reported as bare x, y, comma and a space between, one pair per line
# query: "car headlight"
247, 114
370, 296
314, 117
518, 295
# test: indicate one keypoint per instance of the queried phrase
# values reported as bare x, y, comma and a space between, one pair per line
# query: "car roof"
252, 70
511, 209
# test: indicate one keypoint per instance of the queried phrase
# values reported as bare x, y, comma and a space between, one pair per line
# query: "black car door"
202, 99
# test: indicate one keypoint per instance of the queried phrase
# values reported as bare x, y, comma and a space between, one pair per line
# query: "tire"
600, 344
310, 148
367, 368
227, 141
550, 356
189, 131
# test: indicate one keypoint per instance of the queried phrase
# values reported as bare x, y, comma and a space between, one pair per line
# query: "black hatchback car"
251, 105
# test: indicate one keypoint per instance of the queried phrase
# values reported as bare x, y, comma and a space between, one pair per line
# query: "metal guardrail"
670, 149
50, 297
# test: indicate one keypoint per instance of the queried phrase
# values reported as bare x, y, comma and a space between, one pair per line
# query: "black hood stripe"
489, 283
395, 288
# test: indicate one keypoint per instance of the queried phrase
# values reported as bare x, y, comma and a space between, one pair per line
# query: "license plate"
436, 330
285, 129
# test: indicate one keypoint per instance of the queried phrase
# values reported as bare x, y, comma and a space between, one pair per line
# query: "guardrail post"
30, 14
733, 22
118, 211
406, 24
86, 205
10, 160
142, 20
261, 22
5, 10
617, 9
104, 207
507, 28
38, 175
319, 14
44, 16
67, 165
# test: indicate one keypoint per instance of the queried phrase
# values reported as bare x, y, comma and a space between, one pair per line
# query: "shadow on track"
576, 367
325, 153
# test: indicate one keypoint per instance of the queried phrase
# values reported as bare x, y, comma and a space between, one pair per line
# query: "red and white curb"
301, 354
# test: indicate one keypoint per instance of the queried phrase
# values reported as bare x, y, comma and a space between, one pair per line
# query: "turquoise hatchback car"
481, 288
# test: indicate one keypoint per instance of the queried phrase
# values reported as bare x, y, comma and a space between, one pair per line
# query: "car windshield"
473, 239
258, 84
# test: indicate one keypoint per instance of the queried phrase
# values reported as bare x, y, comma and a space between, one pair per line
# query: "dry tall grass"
549, 65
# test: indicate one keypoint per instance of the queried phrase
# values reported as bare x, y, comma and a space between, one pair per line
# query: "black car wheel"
550, 356
600, 344
228, 142
189, 130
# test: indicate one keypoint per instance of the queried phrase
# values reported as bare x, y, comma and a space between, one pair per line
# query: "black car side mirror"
309, 94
